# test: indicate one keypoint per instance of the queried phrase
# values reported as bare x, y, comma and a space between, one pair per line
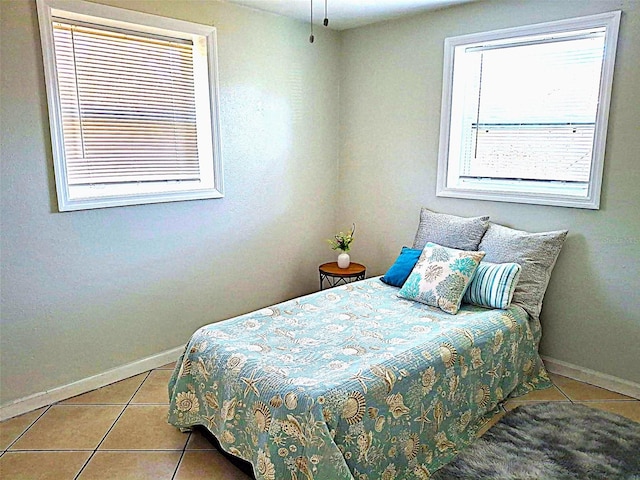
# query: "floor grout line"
562, 392
27, 429
111, 427
184, 450
600, 400
84, 465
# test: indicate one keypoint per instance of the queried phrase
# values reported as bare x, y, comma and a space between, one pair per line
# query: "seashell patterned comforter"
353, 382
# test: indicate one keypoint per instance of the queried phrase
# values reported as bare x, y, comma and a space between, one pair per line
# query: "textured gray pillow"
449, 230
535, 252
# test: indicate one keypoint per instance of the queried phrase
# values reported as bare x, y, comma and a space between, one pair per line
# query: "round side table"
335, 275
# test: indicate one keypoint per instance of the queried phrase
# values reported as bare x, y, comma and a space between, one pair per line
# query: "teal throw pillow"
441, 276
400, 270
493, 284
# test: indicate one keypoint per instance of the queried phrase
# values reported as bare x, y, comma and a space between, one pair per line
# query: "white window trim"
517, 192
143, 22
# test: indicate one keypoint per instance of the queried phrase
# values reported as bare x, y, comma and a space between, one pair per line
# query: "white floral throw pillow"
441, 277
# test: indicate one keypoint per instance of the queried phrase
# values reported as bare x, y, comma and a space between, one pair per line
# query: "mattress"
353, 382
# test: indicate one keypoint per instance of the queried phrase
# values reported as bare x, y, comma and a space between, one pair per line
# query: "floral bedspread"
353, 382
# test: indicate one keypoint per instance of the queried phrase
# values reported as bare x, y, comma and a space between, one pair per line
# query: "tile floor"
120, 432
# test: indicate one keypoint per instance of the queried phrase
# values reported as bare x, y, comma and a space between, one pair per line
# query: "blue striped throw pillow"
493, 284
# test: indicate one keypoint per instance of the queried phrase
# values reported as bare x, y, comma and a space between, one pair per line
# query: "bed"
354, 382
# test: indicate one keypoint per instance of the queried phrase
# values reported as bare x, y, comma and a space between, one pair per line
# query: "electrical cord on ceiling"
311, 37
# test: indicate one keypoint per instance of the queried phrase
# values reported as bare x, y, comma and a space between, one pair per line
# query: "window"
133, 106
524, 112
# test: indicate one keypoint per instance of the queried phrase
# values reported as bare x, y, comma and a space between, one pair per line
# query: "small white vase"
344, 260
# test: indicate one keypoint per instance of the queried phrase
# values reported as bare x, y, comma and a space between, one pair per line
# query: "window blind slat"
142, 88
533, 153
115, 66
142, 58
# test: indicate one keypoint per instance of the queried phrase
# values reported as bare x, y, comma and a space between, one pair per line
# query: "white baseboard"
592, 377
38, 400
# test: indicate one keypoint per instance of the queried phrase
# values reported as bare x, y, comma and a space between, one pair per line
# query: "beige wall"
390, 112
84, 292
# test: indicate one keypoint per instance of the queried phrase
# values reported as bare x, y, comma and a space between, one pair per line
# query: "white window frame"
449, 183
203, 36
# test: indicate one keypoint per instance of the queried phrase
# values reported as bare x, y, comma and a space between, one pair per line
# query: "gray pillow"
535, 252
449, 230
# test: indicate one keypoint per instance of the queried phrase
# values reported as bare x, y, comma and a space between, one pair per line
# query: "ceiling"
345, 14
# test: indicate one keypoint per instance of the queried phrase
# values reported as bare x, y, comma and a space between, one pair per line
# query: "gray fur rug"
555, 441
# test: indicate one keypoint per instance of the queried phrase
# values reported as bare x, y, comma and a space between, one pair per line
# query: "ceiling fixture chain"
325, 22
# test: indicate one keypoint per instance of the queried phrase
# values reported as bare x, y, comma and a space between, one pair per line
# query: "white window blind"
535, 108
128, 106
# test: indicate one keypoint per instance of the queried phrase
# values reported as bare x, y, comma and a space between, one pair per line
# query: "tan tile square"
168, 366
144, 427
154, 389
580, 391
199, 441
630, 409
12, 428
69, 427
490, 423
547, 395
118, 393
207, 464
131, 466
41, 465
